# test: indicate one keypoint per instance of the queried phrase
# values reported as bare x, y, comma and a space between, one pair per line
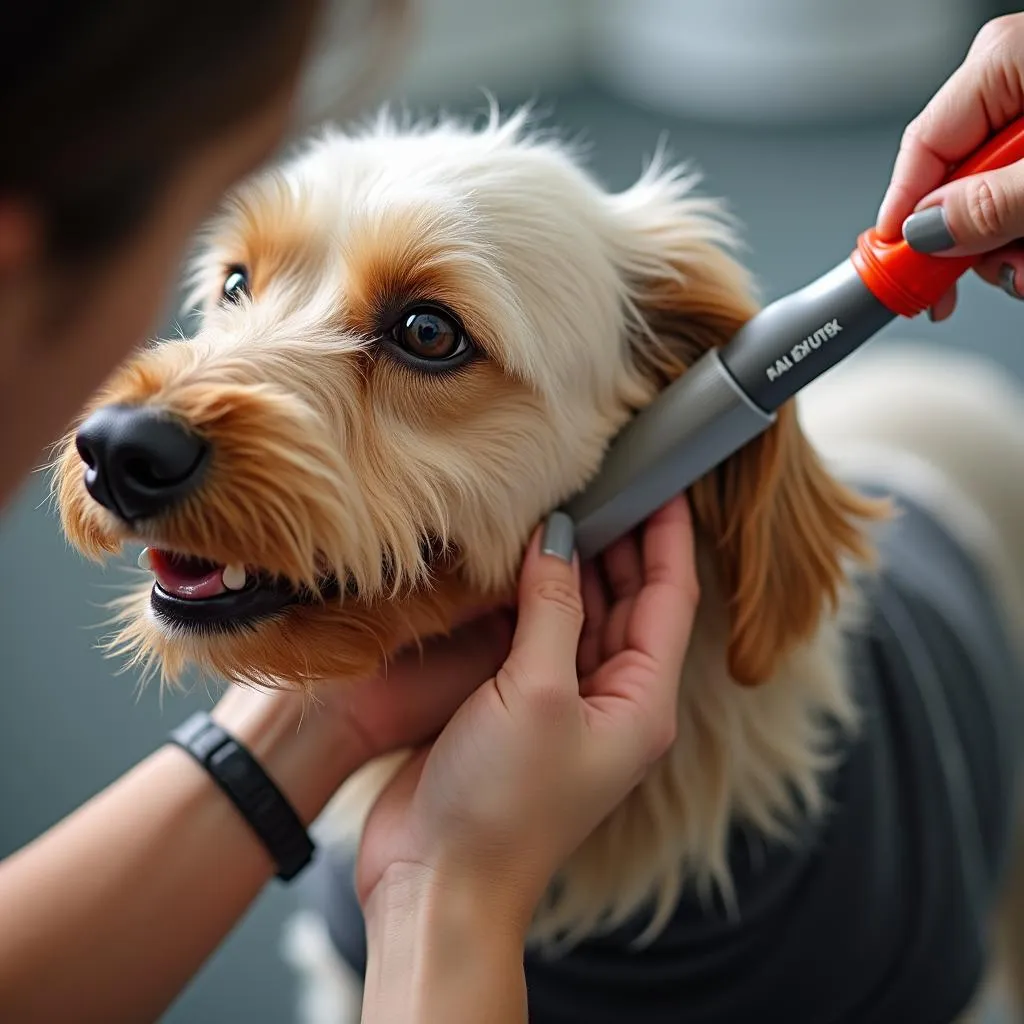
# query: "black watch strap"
250, 789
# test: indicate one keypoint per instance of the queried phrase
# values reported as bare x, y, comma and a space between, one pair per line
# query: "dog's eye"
236, 284
430, 335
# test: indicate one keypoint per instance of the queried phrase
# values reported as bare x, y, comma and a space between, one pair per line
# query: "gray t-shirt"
879, 914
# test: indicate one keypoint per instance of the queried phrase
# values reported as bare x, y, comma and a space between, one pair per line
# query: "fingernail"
927, 231
559, 537
1008, 281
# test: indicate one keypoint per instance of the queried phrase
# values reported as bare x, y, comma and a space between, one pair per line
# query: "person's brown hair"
101, 101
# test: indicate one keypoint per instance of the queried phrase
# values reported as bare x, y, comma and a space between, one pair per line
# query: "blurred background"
793, 110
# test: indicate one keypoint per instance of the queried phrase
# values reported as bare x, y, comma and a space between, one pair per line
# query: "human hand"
311, 745
982, 213
542, 752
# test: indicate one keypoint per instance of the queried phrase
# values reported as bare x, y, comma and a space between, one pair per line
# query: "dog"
417, 339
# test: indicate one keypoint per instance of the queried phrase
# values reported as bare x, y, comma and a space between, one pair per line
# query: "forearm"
106, 916
441, 953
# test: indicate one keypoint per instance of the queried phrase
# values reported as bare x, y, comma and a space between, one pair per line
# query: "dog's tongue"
191, 579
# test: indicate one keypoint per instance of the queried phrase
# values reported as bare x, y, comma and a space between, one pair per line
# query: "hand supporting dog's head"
415, 343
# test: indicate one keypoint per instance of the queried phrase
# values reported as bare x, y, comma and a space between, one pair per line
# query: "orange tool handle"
908, 282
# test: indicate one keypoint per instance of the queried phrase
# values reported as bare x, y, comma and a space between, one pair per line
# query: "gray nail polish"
559, 537
927, 231
1008, 281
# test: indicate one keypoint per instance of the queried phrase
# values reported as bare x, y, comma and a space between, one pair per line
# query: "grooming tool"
731, 394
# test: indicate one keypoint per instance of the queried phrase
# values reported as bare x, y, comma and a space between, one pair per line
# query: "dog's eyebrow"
269, 226
384, 277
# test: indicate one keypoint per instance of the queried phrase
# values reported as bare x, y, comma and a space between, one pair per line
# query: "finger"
979, 98
974, 215
615, 635
943, 309
668, 548
420, 689
595, 611
915, 173
623, 567
664, 610
1005, 269
550, 619
661, 617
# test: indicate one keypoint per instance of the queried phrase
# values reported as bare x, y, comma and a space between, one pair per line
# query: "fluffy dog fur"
331, 456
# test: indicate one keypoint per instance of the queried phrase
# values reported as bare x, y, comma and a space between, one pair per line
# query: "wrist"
306, 753
461, 907
432, 939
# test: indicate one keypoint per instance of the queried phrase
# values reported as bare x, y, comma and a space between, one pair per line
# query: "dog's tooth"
233, 576
144, 561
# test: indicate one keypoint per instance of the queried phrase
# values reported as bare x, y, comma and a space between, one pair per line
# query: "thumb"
974, 215
547, 636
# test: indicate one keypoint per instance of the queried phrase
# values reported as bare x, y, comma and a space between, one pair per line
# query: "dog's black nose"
140, 461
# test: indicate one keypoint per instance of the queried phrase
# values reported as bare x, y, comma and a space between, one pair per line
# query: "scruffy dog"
419, 340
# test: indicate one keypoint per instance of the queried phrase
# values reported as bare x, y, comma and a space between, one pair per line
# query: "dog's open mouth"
191, 591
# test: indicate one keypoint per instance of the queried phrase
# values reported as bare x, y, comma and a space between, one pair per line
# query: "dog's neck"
751, 756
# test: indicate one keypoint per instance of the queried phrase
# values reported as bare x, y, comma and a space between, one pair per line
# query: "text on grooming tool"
802, 349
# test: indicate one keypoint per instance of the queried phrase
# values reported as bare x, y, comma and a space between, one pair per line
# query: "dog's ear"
782, 526
785, 530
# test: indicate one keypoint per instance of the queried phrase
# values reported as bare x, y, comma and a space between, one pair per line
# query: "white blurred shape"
779, 60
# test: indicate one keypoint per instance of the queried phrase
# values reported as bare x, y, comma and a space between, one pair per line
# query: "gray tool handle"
696, 423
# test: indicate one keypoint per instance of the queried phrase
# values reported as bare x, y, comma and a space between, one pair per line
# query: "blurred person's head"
123, 123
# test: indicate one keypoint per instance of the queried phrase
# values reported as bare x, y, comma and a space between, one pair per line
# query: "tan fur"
330, 454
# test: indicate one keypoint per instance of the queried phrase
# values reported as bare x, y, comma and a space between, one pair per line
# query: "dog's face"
414, 345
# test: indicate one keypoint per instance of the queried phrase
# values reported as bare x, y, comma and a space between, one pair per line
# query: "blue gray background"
69, 724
